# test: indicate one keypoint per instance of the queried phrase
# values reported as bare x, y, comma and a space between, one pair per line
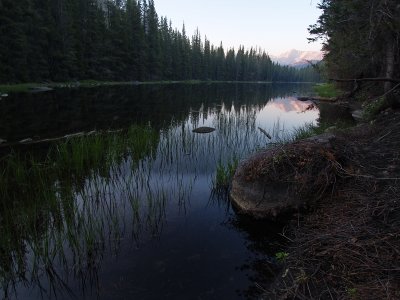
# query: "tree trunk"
389, 64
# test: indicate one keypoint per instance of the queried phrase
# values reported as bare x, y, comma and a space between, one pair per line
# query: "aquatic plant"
224, 174
66, 201
281, 256
305, 131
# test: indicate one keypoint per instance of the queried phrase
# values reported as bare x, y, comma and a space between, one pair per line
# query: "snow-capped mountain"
297, 58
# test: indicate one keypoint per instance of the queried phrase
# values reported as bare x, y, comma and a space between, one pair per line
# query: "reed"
304, 132
224, 174
66, 202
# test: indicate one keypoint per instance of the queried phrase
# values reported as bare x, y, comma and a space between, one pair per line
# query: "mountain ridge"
297, 58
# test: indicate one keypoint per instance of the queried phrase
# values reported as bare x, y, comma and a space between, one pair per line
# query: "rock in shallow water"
203, 129
39, 89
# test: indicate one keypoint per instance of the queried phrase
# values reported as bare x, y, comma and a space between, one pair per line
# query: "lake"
130, 208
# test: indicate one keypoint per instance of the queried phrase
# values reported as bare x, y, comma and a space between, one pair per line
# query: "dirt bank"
348, 246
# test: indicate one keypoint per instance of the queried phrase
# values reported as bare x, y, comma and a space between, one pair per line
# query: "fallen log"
383, 79
323, 99
266, 133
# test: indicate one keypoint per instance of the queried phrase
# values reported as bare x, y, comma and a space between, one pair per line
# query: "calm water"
149, 227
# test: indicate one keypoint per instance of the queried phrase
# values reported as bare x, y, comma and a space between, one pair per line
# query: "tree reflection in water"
66, 210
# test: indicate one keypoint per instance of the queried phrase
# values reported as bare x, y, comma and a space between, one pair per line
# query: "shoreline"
347, 245
47, 86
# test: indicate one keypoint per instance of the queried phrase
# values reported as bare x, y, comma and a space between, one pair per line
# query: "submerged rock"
303, 98
73, 135
358, 115
281, 179
28, 140
39, 89
203, 129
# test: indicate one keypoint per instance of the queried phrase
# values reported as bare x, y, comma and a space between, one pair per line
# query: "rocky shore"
344, 189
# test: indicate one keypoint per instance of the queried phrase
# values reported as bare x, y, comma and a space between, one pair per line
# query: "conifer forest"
121, 40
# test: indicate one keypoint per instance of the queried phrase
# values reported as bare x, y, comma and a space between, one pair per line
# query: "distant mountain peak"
295, 57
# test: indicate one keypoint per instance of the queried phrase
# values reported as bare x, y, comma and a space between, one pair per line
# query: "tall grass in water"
65, 201
310, 129
305, 131
80, 154
224, 175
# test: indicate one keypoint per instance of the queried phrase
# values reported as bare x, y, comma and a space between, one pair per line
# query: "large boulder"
283, 178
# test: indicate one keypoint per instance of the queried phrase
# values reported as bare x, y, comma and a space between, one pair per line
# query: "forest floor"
348, 247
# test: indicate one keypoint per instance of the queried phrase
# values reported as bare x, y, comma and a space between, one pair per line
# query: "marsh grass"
27, 87
327, 90
67, 200
101, 151
224, 175
311, 129
306, 131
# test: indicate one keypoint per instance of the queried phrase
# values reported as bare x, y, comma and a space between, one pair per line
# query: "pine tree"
185, 52
13, 56
207, 59
197, 56
153, 42
360, 38
167, 49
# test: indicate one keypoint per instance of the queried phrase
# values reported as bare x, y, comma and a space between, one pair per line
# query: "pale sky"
274, 25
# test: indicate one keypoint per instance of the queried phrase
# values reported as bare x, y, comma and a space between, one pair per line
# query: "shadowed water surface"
138, 223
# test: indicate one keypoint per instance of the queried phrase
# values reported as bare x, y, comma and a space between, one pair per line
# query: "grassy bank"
29, 87
32, 86
326, 90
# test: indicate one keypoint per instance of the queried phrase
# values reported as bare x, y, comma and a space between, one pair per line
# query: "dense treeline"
62, 40
361, 39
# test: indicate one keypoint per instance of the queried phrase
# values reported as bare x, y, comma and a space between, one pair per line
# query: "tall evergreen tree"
197, 56
153, 42
360, 37
167, 49
185, 52
13, 38
207, 59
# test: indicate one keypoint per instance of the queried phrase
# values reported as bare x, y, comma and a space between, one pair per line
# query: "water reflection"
132, 212
290, 104
67, 111
263, 239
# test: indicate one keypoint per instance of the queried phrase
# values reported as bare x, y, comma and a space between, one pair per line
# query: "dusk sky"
274, 25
